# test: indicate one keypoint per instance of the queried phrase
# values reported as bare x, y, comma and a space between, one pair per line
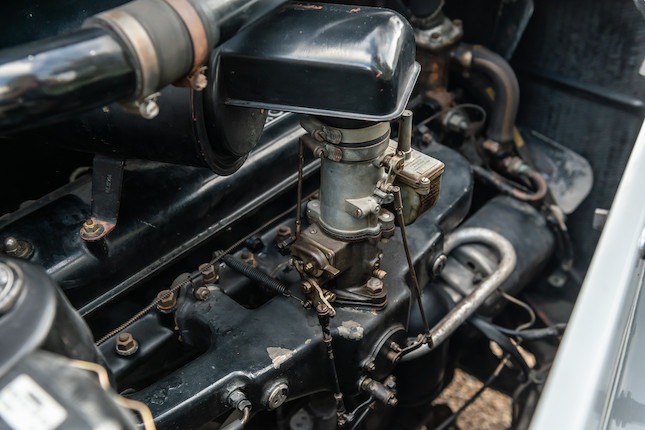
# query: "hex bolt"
248, 258
358, 213
308, 267
208, 272
306, 287
167, 301
126, 345
284, 231
374, 285
238, 400
439, 264
277, 396
202, 293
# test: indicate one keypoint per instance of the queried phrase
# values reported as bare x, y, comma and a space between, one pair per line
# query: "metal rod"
405, 133
398, 205
323, 318
301, 164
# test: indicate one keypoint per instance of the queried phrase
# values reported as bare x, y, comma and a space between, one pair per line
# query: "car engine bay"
228, 214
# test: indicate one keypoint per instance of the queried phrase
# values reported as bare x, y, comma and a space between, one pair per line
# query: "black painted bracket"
107, 181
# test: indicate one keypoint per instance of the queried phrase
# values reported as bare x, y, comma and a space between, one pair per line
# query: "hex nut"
126, 345
202, 293
284, 232
374, 285
91, 230
208, 272
167, 301
248, 258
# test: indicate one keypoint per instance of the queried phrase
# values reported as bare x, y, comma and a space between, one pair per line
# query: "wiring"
525, 306
489, 381
498, 335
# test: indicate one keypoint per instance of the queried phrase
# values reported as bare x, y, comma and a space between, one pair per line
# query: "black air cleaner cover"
322, 59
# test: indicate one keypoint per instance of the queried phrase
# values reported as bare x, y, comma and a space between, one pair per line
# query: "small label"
25, 405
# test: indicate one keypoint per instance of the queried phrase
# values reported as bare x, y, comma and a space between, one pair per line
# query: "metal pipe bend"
469, 304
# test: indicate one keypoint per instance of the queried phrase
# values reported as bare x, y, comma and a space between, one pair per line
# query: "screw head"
439, 264
277, 396
11, 245
198, 81
149, 109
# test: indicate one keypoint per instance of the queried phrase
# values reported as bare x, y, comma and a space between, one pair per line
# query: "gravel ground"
491, 411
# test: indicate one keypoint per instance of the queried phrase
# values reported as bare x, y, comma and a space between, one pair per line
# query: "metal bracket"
107, 181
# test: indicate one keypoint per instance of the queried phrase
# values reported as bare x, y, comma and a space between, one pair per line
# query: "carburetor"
363, 172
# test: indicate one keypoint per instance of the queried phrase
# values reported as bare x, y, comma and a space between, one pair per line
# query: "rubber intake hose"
506, 89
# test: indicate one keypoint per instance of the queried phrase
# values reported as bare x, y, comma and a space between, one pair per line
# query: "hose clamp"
140, 47
197, 33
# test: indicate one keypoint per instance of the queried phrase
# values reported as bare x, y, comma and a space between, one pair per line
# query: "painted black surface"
52, 79
165, 211
297, 57
239, 337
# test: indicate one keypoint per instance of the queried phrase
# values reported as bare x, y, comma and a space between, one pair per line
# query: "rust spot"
356, 9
